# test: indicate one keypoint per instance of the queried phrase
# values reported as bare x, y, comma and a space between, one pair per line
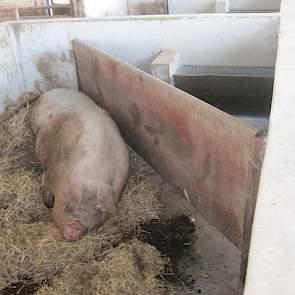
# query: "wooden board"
205, 152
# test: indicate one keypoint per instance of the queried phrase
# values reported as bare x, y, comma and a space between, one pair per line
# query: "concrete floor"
213, 260
259, 122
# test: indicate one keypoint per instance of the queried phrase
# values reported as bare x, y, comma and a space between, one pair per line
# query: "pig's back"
59, 101
71, 121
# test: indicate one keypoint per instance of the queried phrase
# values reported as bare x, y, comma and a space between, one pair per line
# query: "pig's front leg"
48, 197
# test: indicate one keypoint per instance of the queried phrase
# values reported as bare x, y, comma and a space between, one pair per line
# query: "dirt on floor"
155, 243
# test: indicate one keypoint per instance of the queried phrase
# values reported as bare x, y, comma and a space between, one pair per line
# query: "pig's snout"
73, 230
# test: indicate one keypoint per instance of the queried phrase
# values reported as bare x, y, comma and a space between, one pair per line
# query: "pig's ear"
105, 199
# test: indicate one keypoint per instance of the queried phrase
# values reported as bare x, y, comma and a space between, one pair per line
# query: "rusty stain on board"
135, 114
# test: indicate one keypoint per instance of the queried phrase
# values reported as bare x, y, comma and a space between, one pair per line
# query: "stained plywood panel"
215, 158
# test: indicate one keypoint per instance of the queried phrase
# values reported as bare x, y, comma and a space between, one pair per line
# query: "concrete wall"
11, 80
271, 268
146, 7
21, 3
190, 6
41, 52
11, 14
202, 6
94, 8
254, 5
199, 6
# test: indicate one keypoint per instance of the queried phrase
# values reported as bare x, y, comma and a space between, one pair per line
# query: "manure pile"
128, 255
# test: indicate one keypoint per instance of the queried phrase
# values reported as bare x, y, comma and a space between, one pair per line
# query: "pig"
85, 159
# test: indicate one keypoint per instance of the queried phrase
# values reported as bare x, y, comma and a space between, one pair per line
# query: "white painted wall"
190, 6
254, 5
61, 1
98, 8
271, 268
21, 3
146, 7
11, 80
102, 8
44, 54
208, 6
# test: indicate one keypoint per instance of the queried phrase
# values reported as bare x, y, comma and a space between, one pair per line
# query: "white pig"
85, 158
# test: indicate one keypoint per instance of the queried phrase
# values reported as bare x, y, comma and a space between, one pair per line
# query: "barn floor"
211, 266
